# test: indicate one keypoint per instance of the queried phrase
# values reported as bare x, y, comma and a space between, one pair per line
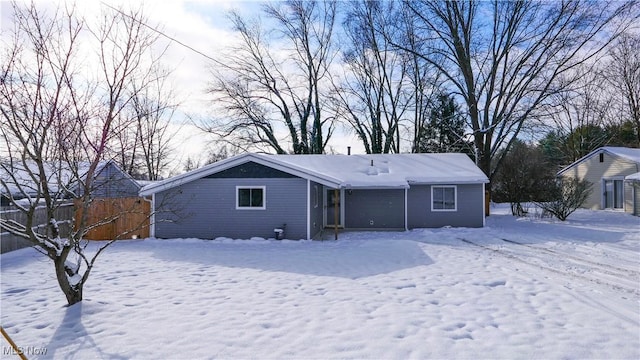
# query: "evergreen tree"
445, 130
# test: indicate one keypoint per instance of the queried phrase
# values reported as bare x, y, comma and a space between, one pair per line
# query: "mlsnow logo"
27, 350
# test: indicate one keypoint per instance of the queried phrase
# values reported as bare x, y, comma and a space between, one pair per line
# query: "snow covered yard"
519, 288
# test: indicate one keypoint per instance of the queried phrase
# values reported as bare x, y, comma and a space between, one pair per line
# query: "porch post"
308, 209
336, 211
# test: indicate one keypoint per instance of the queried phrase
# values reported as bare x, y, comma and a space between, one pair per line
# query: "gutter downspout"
152, 215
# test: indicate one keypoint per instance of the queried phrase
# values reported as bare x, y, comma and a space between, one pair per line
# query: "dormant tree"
141, 146
374, 91
276, 98
504, 58
58, 115
623, 73
579, 114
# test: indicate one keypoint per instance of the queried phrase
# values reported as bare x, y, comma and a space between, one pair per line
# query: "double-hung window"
250, 198
444, 198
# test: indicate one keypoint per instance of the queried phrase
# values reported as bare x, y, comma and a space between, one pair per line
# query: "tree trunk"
73, 293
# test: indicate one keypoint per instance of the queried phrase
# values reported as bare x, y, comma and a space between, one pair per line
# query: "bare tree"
142, 147
579, 114
373, 94
525, 176
57, 120
277, 97
504, 58
623, 72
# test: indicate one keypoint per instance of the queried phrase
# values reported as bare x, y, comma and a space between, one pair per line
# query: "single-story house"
606, 168
252, 195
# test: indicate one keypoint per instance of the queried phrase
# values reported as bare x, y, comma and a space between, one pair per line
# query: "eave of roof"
229, 163
609, 150
305, 170
633, 177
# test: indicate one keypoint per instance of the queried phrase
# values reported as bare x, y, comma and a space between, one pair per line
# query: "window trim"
244, 187
455, 198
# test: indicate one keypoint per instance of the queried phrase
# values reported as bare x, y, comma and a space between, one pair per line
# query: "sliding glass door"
613, 194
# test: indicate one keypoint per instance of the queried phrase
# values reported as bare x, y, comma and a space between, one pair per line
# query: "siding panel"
374, 209
113, 183
470, 208
206, 208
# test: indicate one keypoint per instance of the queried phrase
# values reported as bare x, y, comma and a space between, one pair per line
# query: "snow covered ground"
519, 288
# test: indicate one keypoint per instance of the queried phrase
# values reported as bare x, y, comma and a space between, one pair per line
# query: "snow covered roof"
633, 177
350, 171
630, 154
58, 173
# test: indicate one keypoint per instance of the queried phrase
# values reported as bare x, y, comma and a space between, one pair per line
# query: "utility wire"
162, 33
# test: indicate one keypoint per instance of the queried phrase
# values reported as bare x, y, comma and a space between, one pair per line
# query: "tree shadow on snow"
346, 259
71, 337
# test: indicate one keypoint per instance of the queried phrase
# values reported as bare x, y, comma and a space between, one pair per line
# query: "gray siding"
469, 213
315, 209
374, 209
206, 209
111, 182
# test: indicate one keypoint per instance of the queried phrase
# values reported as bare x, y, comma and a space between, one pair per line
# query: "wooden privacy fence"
10, 242
124, 218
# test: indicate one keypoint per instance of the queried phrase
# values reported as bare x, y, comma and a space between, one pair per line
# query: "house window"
601, 157
250, 198
316, 191
444, 198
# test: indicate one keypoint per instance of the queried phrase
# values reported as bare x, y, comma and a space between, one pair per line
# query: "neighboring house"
112, 182
633, 180
109, 180
606, 168
251, 195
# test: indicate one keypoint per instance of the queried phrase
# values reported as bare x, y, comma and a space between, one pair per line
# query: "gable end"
250, 170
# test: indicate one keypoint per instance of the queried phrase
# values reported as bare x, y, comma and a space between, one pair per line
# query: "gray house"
251, 195
112, 182
109, 180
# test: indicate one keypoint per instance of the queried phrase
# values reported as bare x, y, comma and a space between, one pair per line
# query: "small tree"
56, 121
567, 194
523, 177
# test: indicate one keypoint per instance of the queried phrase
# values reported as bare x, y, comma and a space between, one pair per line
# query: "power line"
161, 33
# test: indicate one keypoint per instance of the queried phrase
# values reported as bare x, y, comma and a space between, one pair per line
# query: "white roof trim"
307, 171
229, 163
